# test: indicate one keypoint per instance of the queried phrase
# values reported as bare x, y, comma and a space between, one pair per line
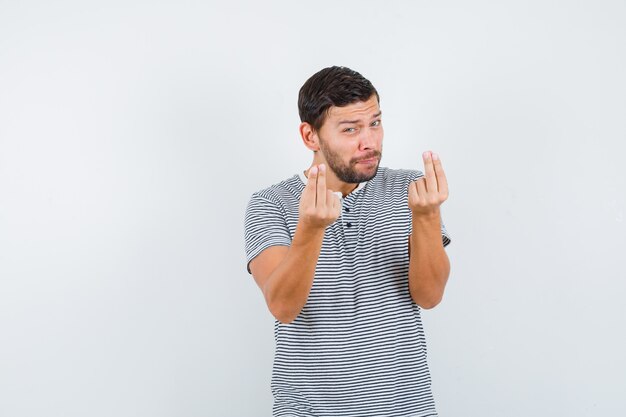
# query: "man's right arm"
285, 273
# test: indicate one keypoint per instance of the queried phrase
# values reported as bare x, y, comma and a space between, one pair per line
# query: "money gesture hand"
427, 193
319, 206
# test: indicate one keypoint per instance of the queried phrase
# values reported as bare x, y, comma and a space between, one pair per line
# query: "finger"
429, 171
421, 187
442, 181
413, 197
321, 187
336, 205
330, 198
308, 194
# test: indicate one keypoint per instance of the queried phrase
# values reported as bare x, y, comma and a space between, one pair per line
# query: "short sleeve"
445, 236
264, 226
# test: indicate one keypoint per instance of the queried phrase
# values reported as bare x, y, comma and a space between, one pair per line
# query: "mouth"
368, 161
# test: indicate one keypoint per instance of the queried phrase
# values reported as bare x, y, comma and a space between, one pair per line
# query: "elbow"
283, 313
428, 295
277, 306
429, 304
284, 317
427, 301
285, 309
285, 320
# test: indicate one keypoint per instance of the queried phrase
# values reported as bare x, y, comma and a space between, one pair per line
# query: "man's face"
351, 140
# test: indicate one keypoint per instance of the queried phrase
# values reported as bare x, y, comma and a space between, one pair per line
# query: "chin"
369, 173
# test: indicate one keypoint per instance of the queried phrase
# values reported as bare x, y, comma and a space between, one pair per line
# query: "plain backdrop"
132, 134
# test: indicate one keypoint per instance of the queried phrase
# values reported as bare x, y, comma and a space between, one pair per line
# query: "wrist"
426, 217
309, 231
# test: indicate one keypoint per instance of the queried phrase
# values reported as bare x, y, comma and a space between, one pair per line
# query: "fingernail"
435, 156
426, 154
322, 167
313, 170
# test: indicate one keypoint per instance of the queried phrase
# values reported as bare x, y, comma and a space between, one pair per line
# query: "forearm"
429, 266
288, 286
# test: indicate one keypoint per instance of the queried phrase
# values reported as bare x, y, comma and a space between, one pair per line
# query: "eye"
349, 129
375, 123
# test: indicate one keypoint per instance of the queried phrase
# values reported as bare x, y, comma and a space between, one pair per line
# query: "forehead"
354, 111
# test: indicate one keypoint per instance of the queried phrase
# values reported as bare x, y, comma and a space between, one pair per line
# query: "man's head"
340, 115
332, 86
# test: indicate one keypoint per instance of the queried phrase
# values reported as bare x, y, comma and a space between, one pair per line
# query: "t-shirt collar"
304, 180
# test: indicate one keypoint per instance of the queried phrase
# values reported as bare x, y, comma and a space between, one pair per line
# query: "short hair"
332, 86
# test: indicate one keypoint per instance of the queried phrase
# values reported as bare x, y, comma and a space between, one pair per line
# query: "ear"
309, 137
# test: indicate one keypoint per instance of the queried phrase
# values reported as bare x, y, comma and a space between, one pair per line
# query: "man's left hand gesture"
427, 193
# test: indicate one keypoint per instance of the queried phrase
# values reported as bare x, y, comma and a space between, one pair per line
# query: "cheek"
346, 145
378, 138
341, 149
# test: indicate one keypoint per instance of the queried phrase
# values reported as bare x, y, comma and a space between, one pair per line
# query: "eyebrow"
356, 121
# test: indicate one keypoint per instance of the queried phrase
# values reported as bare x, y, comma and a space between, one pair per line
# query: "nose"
368, 139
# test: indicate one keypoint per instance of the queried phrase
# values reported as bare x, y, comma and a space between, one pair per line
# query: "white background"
133, 133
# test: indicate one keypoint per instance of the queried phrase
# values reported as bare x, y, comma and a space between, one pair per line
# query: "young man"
346, 253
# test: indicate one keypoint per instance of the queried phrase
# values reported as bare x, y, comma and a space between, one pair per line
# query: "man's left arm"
429, 266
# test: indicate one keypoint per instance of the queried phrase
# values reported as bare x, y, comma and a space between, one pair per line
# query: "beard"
348, 172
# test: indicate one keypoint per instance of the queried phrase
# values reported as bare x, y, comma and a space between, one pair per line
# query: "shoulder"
281, 193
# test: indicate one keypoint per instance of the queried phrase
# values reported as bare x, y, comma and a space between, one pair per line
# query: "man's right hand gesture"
319, 206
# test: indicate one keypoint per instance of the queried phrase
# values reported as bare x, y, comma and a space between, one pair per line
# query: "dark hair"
332, 86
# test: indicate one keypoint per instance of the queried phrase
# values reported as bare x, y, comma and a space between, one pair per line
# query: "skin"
352, 134
349, 146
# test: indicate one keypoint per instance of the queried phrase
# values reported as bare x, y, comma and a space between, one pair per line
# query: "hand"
319, 206
427, 193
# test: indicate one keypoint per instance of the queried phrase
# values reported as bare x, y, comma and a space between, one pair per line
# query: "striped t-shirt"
357, 348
